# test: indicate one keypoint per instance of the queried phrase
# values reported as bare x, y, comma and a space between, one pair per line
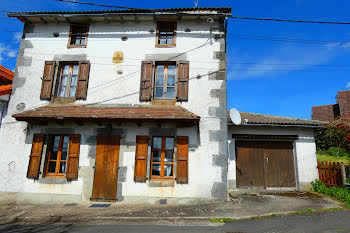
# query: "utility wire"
199, 61
289, 20
96, 4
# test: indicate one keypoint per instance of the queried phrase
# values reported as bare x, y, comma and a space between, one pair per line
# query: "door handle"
267, 159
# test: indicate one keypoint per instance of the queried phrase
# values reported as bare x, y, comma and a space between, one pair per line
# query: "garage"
271, 152
264, 164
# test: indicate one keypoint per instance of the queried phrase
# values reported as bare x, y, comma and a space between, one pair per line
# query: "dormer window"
166, 34
78, 35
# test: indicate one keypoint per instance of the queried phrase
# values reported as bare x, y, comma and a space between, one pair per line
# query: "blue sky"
312, 76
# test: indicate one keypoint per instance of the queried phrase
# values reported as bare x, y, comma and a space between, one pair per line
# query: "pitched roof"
263, 119
6, 75
5, 89
133, 113
184, 9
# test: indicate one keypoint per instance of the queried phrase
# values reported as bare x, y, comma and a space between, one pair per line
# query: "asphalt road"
331, 221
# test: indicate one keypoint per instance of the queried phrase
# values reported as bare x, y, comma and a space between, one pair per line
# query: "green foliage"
334, 151
218, 220
329, 137
340, 193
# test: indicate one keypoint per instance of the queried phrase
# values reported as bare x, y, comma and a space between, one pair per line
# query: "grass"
222, 220
340, 193
330, 158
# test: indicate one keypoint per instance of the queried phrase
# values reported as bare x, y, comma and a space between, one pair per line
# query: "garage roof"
263, 119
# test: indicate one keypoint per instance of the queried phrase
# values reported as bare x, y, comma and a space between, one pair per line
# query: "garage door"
265, 164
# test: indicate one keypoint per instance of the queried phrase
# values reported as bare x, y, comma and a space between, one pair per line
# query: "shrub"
340, 193
334, 151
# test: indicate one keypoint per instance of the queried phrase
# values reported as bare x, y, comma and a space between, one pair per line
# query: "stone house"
121, 105
130, 105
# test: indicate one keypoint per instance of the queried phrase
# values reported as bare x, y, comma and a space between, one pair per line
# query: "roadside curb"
144, 220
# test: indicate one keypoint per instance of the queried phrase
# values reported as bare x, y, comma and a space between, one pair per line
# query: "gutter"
19, 14
275, 125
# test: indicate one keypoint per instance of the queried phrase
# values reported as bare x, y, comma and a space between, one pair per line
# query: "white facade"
305, 159
115, 85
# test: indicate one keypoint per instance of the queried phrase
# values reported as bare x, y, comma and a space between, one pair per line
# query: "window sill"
164, 101
76, 46
166, 46
162, 183
60, 100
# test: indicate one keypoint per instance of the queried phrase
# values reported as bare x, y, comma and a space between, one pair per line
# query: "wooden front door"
106, 168
265, 164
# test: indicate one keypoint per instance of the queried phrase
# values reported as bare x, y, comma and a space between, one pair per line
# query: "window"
57, 153
166, 34
68, 80
164, 87
78, 35
162, 161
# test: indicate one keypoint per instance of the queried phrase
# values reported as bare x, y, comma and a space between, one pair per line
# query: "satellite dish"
235, 116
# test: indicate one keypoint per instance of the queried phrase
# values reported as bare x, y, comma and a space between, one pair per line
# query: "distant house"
6, 77
331, 111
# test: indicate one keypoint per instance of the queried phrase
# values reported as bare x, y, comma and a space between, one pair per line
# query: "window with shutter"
141, 158
146, 81
35, 156
183, 81
48, 77
182, 159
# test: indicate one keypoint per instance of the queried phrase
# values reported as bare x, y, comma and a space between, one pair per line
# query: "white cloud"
297, 55
17, 37
6, 52
348, 85
12, 53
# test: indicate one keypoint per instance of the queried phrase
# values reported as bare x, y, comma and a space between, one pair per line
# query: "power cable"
288, 20
96, 4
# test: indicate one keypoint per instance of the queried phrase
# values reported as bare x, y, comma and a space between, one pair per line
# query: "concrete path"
322, 222
241, 206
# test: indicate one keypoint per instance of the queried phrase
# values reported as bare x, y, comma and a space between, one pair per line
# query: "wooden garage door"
265, 164
106, 168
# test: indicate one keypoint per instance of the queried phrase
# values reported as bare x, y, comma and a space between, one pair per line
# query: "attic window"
78, 35
166, 34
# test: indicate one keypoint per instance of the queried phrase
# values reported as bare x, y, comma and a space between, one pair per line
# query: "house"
272, 152
332, 111
120, 105
6, 77
130, 106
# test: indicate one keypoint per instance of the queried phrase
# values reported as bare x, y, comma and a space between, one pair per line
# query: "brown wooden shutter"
48, 76
141, 158
182, 82
73, 156
83, 80
182, 159
35, 156
146, 81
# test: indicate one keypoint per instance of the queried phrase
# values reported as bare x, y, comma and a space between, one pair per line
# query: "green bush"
334, 151
340, 193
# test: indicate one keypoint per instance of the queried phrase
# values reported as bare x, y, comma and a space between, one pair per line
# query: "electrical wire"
290, 20
96, 4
